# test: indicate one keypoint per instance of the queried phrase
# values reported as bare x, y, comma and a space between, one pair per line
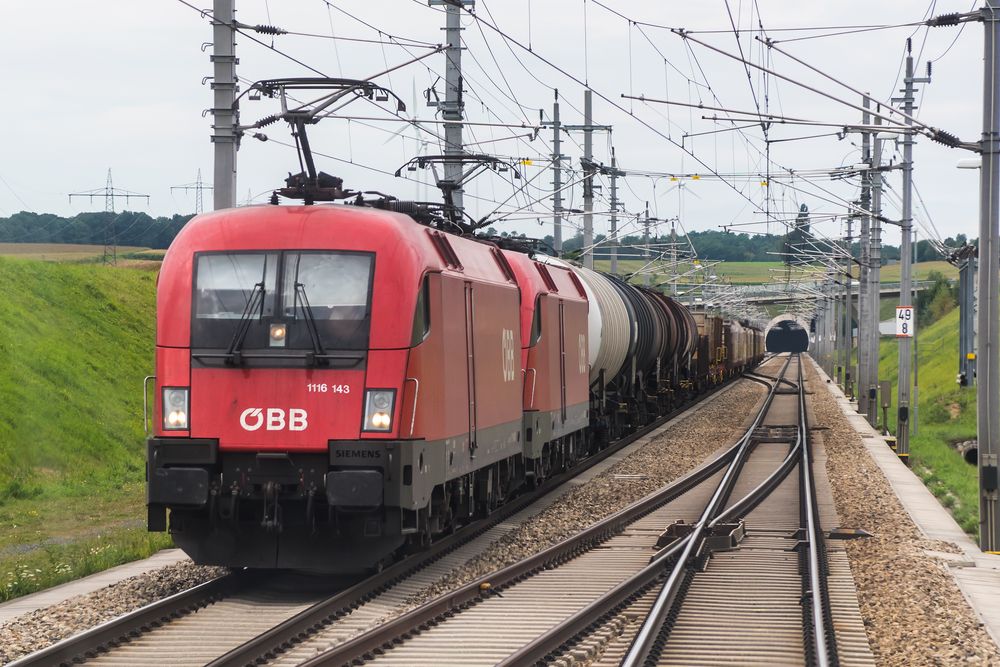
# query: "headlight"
379, 405
278, 332
175, 408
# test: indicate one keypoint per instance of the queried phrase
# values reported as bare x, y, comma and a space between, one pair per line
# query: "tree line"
937, 300
126, 228
139, 229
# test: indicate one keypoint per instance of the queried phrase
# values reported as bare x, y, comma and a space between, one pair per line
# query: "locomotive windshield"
283, 300
226, 283
337, 285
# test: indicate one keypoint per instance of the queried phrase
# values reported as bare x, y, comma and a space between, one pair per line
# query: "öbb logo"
508, 355
274, 419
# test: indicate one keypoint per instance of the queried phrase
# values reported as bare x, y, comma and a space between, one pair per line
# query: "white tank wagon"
611, 332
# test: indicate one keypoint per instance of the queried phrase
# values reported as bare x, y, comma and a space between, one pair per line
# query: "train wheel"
422, 538
538, 472
379, 565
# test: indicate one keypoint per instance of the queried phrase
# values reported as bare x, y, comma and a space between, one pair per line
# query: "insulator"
409, 207
269, 30
944, 19
267, 120
946, 138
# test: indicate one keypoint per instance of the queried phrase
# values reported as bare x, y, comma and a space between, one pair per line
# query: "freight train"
337, 384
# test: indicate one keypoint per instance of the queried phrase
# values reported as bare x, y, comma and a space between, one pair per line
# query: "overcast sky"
119, 84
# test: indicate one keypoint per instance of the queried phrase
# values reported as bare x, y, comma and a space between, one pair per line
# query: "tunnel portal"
787, 336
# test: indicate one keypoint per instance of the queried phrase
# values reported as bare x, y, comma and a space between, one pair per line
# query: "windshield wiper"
236, 344
318, 351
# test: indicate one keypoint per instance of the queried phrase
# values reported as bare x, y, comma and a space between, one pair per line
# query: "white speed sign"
906, 321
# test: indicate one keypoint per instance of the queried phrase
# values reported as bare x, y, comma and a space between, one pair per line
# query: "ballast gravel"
689, 441
38, 629
913, 611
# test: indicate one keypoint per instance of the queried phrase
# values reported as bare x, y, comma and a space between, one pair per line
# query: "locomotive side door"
562, 360
470, 314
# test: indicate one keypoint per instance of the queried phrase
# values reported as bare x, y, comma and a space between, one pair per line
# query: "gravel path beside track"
914, 612
41, 628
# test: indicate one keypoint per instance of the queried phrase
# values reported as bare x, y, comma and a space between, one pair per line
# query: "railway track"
765, 602
246, 618
551, 604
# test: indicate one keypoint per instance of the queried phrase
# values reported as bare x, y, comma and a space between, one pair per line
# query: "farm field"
76, 342
741, 273
61, 252
736, 272
890, 273
750, 273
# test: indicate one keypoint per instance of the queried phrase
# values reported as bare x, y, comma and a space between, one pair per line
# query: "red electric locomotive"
555, 364
335, 383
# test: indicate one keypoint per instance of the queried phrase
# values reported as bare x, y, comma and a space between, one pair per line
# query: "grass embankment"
947, 414
75, 343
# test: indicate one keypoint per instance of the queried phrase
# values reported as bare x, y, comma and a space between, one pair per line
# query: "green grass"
55, 563
890, 273
887, 308
148, 254
75, 343
946, 414
749, 272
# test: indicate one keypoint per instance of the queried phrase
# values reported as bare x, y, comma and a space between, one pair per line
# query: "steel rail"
822, 631
370, 643
819, 635
547, 645
644, 644
89, 643
308, 622
122, 629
